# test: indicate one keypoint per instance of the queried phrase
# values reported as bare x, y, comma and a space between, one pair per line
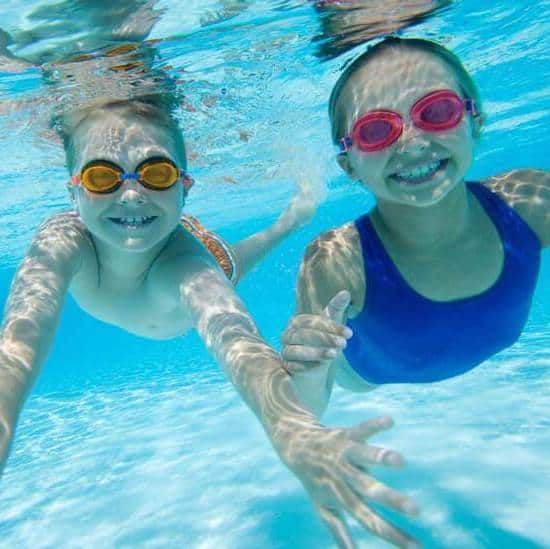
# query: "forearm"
299, 211
25, 340
229, 333
17, 375
314, 386
258, 374
250, 251
15, 382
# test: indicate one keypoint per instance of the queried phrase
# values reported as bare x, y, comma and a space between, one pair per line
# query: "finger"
371, 489
313, 355
313, 338
367, 456
372, 521
336, 308
320, 323
370, 427
337, 525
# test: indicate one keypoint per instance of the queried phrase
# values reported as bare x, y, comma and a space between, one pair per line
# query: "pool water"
126, 442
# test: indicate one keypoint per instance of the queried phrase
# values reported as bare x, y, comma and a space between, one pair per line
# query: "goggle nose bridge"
132, 175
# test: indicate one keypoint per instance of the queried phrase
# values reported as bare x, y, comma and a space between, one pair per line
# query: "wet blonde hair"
467, 86
150, 109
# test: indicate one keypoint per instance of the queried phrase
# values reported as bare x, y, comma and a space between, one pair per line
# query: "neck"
126, 266
429, 228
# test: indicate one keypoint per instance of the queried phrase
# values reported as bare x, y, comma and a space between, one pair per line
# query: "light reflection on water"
181, 462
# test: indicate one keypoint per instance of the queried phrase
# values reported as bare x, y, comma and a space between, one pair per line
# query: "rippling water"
131, 442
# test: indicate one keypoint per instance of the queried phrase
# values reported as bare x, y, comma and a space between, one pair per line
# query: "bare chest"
136, 308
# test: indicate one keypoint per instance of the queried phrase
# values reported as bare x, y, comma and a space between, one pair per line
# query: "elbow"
6, 435
6, 432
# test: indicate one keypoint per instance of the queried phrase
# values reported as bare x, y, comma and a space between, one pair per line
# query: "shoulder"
333, 244
527, 191
65, 228
332, 262
183, 248
63, 239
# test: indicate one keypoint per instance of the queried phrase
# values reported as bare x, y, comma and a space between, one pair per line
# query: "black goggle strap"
345, 144
471, 107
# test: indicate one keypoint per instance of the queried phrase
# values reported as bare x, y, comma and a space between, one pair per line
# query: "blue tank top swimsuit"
402, 337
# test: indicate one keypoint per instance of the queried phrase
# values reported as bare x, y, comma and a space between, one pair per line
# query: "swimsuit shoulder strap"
511, 226
377, 262
221, 251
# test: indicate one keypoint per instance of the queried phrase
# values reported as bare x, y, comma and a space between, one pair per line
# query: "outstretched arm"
250, 251
32, 312
331, 463
330, 288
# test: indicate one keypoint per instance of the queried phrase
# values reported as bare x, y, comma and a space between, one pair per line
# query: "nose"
132, 193
412, 141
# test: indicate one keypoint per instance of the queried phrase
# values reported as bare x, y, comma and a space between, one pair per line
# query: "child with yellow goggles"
129, 258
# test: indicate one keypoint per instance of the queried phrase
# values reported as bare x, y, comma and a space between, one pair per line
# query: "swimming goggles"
157, 174
437, 111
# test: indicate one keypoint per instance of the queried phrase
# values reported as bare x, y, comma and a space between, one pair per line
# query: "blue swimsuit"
403, 337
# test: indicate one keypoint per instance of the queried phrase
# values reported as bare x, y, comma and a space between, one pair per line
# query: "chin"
139, 243
427, 193
135, 244
430, 197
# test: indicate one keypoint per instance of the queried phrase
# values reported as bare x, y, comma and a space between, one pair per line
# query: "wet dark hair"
465, 81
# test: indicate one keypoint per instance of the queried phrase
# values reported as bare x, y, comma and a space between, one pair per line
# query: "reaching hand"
310, 343
312, 340
301, 207
333, 466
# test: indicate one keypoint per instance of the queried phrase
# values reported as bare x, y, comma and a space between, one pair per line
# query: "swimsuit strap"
221, 251
381, 275
510, 225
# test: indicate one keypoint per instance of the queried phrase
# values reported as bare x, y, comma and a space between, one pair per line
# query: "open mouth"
422, 173
133, 222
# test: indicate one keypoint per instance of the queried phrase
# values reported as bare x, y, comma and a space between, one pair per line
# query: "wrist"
282, 411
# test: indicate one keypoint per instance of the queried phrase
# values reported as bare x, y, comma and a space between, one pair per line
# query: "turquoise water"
126, 442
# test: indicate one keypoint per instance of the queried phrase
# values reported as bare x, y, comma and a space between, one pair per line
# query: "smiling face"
133, 217
421, 167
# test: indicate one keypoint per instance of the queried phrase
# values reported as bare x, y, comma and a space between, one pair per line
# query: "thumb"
337, 306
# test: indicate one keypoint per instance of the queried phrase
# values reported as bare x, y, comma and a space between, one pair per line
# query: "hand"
311, 340
333, 464
302, 206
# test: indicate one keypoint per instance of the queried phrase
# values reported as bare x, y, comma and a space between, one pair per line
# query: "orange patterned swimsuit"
220, 250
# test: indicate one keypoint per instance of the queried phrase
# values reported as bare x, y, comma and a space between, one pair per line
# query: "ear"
72, 194
477, 123
345, 164
187, 182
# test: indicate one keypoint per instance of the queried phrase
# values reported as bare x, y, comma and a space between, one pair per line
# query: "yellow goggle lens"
100, 178
159, 174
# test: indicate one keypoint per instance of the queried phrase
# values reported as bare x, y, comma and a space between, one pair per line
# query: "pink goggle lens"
376, 130
440, 110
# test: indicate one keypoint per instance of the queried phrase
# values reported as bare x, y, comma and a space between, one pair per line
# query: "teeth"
133, 221
420, 172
